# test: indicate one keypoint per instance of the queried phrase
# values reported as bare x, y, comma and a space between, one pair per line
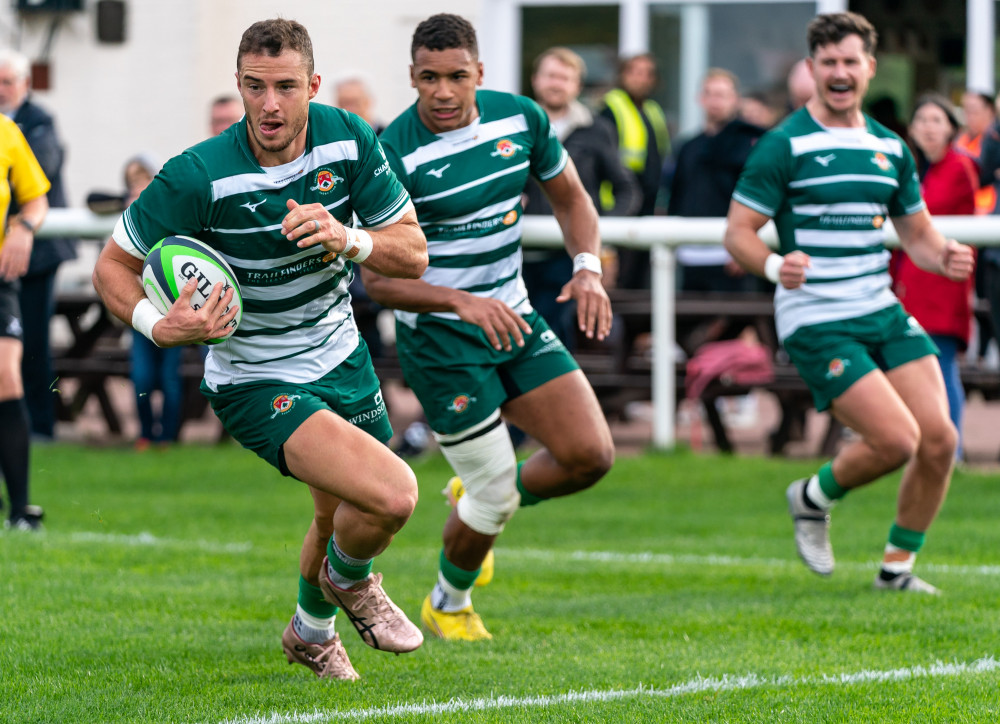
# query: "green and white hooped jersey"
297, 322
829, 191
466, 186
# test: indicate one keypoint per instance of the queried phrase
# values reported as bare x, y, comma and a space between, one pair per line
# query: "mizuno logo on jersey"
824, 161
438, 172
506, 148
252, 206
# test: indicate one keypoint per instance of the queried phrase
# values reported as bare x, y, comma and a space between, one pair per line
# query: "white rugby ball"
176, 259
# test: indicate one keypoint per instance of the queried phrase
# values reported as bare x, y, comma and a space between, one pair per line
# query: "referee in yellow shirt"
22, 178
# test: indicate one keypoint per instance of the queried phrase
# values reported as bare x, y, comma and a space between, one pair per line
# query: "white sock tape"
144, 318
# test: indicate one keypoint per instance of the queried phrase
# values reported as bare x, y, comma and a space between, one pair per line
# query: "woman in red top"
948, 180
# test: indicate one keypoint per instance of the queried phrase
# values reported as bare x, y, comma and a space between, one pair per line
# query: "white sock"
896, 560
445, 597
815, 493
311, 629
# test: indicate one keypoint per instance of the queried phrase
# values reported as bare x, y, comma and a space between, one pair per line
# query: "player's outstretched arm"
744, 244
577, 218
502, 325
395, 250
118, 283
930, 250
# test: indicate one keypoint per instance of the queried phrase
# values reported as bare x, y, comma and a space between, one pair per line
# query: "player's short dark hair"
445, 31
831, 28
273, 37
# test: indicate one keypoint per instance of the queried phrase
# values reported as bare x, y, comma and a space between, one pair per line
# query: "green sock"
312, 602
457, 577
527, 497
908, 540
828, 483
351, 568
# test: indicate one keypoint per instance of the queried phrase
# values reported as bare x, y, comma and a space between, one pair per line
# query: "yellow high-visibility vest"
633, 137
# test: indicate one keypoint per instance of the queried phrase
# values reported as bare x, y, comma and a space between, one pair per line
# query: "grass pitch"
669, 592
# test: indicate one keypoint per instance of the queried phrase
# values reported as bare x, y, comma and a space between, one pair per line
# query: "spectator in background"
21, 180
643, 144
948, 183
757, 109
38, 286
353, 94
590, 141
701, 179
980, 113
224, 112
801, 85
153, 368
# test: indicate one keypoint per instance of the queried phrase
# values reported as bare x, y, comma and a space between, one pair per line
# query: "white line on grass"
537, 554
712, 560
148, 539
693, 686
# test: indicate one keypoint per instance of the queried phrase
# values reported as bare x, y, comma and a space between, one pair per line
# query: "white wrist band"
772, 267
359, 245
590, 262
144, 318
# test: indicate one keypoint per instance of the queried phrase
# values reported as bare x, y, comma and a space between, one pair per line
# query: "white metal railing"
659, 234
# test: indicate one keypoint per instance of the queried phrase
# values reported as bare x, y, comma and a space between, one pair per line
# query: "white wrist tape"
590, 262
359, 245
772, 267
144, 318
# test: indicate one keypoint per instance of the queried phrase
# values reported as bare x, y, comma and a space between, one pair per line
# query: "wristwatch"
27, 224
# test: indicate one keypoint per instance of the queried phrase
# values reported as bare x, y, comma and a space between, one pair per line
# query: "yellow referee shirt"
19, 170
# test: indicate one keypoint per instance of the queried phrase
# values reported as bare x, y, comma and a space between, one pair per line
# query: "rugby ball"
176, 259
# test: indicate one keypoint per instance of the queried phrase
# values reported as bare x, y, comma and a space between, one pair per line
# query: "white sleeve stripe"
756, 206
124, 239
557, 169
394, 218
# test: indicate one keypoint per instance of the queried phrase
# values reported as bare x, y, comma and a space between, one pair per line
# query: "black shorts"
10, 310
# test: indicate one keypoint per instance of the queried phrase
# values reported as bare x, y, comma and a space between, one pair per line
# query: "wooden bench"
98, 355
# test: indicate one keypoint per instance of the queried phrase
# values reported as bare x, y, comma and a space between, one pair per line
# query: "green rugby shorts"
263, 415
834, 355
460, 379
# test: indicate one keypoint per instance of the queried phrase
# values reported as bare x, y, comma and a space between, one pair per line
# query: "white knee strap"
483, 457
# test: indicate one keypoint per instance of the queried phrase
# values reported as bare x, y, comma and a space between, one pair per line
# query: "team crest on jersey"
836, 367
881, 161
282, 404
510, 217
506, 148
878, 221
461, 403
325, 181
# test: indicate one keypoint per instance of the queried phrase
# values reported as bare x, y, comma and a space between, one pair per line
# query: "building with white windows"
125, 76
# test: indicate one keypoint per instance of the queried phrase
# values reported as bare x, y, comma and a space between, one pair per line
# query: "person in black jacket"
592, 144
701, 179
37, 295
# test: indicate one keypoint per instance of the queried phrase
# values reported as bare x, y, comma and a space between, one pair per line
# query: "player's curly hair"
275, 36
445, 31
834, 27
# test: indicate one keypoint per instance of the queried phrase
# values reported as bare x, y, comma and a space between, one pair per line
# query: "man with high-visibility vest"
643, 144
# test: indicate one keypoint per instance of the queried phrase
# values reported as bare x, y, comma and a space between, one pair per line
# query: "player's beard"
277, 145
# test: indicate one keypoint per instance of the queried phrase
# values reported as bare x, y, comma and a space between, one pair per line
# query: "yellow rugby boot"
464, 625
